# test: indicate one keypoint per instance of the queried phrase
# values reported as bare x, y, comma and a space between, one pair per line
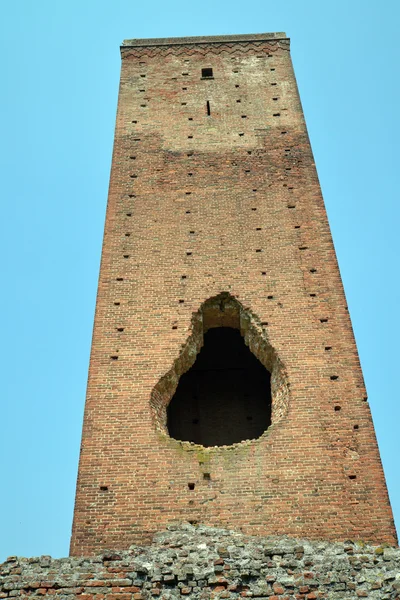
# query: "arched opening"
225, 397
226, 385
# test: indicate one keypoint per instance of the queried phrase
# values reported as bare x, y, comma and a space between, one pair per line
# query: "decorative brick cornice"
270, 45
209, 39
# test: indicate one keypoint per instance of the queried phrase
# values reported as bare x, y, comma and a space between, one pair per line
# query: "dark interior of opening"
225, 397
206, 72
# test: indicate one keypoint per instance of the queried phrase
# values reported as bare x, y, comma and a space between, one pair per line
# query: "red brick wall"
232, 202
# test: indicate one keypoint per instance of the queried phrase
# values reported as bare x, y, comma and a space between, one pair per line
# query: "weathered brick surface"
202, 563
202, 205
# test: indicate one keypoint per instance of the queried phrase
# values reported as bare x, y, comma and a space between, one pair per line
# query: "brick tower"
224, 384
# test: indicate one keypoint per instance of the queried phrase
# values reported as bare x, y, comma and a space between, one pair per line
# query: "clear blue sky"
60, 74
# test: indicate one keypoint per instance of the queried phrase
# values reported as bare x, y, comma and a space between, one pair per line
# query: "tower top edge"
207, 39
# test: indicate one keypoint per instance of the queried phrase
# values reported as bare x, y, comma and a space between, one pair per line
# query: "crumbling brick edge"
204, 562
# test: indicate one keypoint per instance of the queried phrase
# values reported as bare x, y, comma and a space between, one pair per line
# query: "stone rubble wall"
204, 563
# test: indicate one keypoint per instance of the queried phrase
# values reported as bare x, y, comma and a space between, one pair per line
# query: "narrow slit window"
208, 108
207, 73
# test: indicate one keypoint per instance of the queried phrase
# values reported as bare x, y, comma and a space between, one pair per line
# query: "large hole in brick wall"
225, 397
226, 384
